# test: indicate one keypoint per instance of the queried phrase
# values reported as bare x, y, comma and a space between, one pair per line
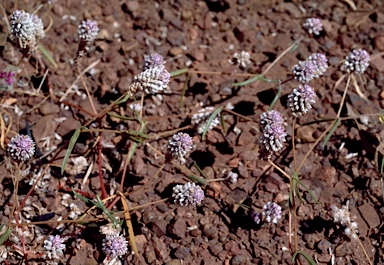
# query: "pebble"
239, 260
324, 245
150, 256
370, 215
178, 228
210, 231
174, 51
182, 252
49, 108
379, 43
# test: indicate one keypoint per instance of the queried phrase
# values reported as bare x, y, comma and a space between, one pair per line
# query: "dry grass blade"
127, 218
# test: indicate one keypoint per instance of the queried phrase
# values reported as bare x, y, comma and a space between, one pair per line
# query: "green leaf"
179, 72
309, 191
197, 179
199, 169
106, 211
126, 97
333, 129
72, 143
214, 114
47, 55
308, 258
5, 235
223, 124
276, 98
254, 79
121, 117
81, 197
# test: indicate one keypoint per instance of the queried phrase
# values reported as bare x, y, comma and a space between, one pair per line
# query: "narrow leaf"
179, 72
276, 98
47, 55
199, 169
121, 117
309, 191
254, 79
308, 258
213, 116
81, 197
5, 236
333, 129
197, 179
124, 99
223, 124
72, 143
106, 211
127, 217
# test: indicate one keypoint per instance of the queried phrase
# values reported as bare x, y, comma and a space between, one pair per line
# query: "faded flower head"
320, 62
88, 30
39, 27
271, 212
153, 60
179, 145
189, 193
241, 59
313, 26
201, 118
256, 217
54, 247
232, 177
270, 117
342, 216
77, 165
357, 61
300, 100
115, 245
23, 29
151, 81
304, 71
110, 229
21, 147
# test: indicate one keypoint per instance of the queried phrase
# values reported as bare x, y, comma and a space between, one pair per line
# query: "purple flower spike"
357, 61
320, 62
304, 71
153, 60
151, 81
179, 145
54, 247
88, 30
300, 100
189, 193
270, 117
313, 26
21, 147
271, 212
115, 245
272, 133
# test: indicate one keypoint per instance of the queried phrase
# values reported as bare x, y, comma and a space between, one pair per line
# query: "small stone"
182, 252
324, 245
186, 15
216, 249
343, 249
159, 228
210, 231
239, 260
370, 215
379, 43
232, 248
148, 216
174, 51
178, 228
49, 108
150, 256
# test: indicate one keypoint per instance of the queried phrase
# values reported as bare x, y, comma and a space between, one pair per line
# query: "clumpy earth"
50, 102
